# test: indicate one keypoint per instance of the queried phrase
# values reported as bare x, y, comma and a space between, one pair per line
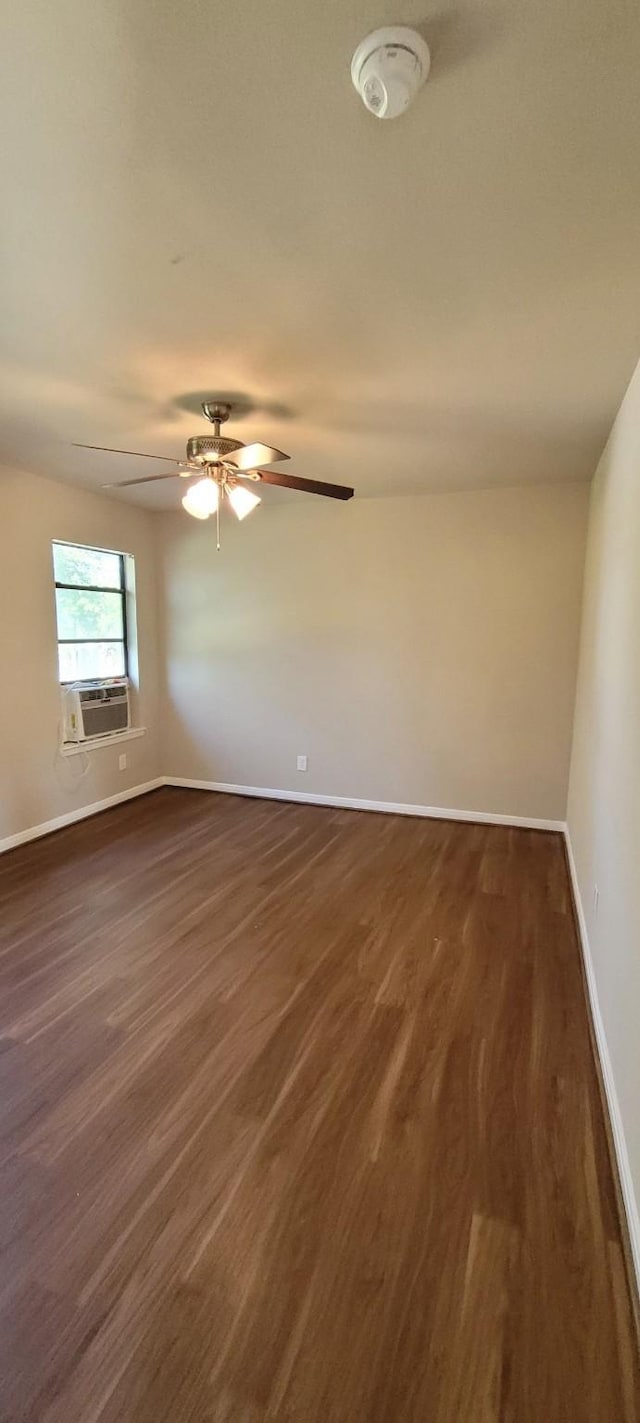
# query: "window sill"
75, 748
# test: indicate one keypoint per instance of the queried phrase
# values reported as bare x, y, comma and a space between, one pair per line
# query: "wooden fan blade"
308, 486
252, 456
148, 479
137, 453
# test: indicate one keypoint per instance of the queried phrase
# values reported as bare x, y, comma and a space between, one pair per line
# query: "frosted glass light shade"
201, 499
242, 500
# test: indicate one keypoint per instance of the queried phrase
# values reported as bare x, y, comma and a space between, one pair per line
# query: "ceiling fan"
221, 464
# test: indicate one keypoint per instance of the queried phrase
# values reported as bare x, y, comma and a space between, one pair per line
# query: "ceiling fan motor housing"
208, 449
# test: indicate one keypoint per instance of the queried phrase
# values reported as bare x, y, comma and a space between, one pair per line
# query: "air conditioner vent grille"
93, 711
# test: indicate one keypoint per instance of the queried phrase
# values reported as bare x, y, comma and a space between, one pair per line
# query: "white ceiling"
195, 200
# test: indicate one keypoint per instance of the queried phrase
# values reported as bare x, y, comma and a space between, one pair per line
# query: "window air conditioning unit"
94, 709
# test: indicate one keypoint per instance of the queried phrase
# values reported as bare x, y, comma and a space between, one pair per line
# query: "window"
91, 607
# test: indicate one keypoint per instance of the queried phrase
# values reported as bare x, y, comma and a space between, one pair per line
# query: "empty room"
320, 713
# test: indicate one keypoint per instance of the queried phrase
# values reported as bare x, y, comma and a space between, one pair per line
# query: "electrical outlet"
122, 761
302, 763
596, 899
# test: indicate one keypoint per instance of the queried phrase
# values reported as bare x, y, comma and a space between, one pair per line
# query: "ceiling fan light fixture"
202, 499
221, 461
242, 500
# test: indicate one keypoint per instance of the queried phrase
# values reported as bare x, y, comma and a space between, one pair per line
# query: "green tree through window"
91, 612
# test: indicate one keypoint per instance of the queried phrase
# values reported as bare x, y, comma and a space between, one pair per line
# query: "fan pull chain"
218, 526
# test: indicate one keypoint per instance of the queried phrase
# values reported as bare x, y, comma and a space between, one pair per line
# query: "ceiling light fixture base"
217, 411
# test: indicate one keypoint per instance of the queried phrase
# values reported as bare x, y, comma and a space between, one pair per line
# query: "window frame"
93, 588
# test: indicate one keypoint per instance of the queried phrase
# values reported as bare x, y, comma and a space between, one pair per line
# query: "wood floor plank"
299, 1120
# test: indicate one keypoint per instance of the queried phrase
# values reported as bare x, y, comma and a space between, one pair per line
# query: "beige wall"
418, 650
37, 785
604, 794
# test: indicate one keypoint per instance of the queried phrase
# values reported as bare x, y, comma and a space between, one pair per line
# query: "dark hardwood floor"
300, 1121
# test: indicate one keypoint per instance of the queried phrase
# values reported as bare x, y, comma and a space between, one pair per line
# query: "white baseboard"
385, 807
35, 831
345, 802
615, 1115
